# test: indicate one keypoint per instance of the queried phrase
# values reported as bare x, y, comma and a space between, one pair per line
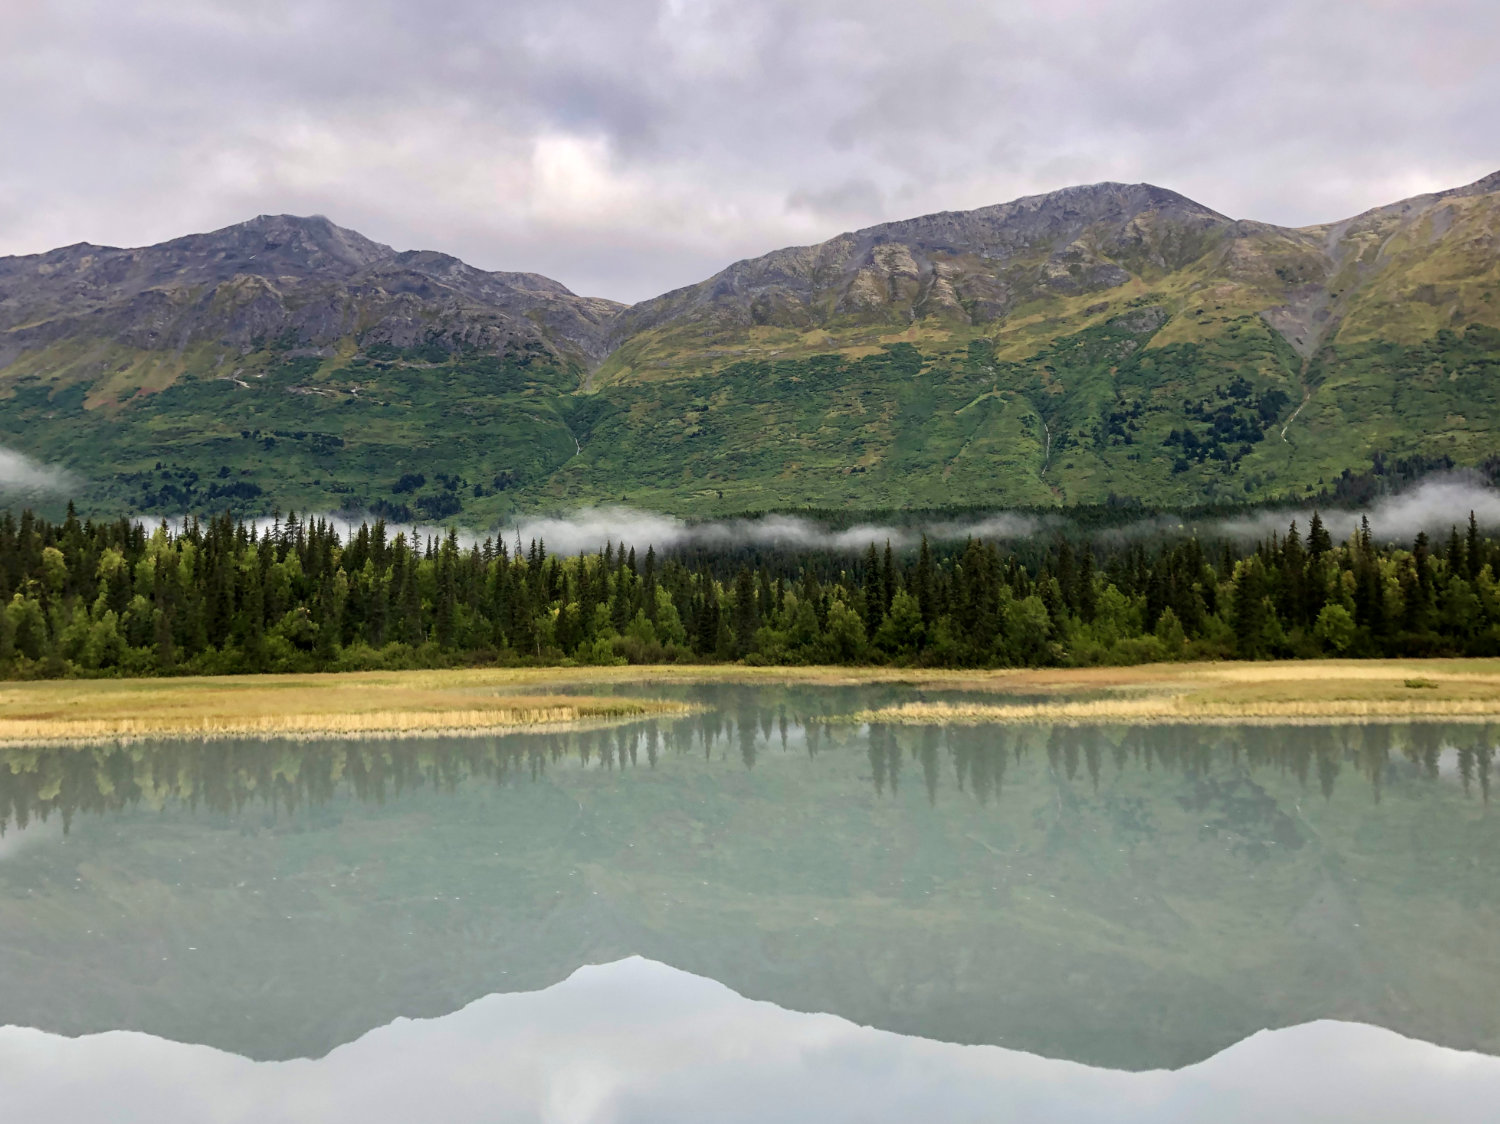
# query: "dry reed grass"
1193, 709
493, 700
1278, 676
1291, 692
290, 706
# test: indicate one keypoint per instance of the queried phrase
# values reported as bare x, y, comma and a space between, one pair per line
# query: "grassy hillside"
1098, 342
1102, 412
385, 430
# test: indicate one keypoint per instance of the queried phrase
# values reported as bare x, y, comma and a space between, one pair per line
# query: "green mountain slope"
1112, 340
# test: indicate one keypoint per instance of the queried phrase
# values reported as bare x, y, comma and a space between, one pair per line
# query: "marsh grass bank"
502, 700
302, 706
1280, 692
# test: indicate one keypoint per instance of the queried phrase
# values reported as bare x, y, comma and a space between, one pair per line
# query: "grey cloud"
859, 198
631, 146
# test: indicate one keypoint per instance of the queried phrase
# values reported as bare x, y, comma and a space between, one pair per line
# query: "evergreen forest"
222, 596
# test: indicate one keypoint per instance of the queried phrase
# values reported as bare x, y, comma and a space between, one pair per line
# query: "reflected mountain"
1128, 897
638, 1041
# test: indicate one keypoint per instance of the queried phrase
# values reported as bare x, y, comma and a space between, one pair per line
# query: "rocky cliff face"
303, 281
983, 271
310, 284
969, 266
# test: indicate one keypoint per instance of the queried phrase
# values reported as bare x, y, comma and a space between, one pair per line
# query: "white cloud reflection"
637, 1041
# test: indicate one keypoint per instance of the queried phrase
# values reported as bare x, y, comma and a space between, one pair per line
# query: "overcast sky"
630, 146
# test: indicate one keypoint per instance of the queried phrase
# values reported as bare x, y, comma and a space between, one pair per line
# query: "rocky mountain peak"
1484, 186
303, 278
275, 245
968, 266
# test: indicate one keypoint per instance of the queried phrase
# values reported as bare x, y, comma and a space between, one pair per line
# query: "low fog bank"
22, 476
590, 528
1433, 506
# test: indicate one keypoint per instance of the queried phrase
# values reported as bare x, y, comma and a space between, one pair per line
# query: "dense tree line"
224, 596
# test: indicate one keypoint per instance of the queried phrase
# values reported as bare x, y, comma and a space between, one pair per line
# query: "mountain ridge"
335, 267
1098, 342
353, 254
1092, 249
909, 256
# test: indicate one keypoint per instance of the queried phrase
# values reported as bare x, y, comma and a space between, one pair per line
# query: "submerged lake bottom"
757, 912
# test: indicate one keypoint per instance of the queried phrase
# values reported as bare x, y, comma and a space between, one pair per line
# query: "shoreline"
320, 733
494, 701
1105, 714
299, 708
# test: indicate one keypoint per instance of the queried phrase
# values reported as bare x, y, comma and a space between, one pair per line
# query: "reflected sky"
636, 1041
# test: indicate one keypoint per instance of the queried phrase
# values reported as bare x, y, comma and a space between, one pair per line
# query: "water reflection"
1132, 897
42, 782
636, 1041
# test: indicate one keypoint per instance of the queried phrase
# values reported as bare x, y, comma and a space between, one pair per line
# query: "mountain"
278, 276
987, 269
1106, 341
965, 268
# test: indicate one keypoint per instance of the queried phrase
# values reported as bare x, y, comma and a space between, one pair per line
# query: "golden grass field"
1282, 692
364, 704
493, 700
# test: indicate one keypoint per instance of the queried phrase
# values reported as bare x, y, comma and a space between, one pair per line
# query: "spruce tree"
1319, 541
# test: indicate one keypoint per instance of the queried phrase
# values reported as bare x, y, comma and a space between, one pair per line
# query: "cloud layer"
630, 146
590, 529
1434, 506
22, 476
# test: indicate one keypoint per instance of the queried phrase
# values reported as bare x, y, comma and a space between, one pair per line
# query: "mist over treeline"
222, 596
830, 539
1400, 495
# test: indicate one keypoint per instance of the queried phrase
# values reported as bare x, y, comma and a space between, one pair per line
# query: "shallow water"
786, 918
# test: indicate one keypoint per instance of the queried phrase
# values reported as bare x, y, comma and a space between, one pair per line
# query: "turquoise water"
755, 914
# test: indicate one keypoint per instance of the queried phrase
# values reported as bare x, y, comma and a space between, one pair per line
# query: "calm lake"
754, 913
